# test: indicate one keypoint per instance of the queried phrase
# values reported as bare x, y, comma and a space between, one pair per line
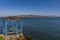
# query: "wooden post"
16, 27
3, 26
21, 27
6, 28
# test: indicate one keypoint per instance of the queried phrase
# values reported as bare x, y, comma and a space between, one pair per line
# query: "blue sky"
29, 7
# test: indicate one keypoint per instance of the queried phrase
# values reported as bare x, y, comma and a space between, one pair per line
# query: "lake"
42, 28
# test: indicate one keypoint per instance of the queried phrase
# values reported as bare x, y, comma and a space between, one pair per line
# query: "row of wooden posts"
6, 24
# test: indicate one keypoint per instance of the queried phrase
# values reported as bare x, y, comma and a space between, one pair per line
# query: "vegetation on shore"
1, 38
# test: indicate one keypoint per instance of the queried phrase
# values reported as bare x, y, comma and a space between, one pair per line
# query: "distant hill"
36, 16
32, 16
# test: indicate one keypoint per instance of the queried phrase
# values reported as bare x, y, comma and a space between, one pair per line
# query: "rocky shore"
21, 37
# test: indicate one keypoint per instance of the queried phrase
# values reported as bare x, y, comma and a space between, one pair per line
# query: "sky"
29, 7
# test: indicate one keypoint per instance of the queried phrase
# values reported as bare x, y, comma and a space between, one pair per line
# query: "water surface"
42, 28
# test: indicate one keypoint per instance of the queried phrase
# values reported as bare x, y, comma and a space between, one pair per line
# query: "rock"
21, 37
13, 38
7, 38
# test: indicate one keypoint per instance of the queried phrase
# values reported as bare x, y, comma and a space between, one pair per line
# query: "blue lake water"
41, 28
